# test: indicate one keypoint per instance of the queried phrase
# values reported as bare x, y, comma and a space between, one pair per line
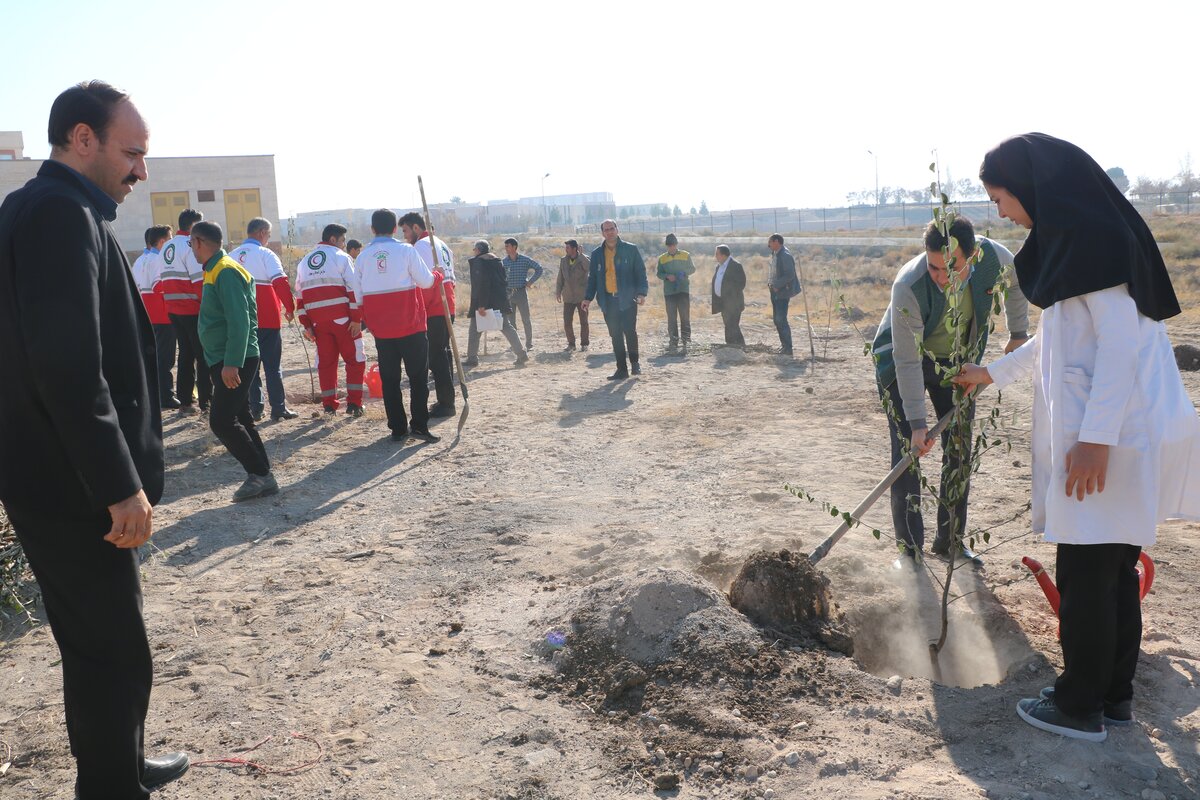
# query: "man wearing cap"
674, 267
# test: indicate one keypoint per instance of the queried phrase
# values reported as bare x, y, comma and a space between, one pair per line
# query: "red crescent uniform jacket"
389, 278
325, 291
178, 278
271, 287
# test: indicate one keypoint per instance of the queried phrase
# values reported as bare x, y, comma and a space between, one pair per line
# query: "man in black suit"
728, 295
81, 455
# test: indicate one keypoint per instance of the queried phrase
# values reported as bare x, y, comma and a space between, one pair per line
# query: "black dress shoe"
171, 402
287, 413
424, 435
257, 416
164, 769
399, 436
470, 362
942, 550
636, 368
440, 410
619, 375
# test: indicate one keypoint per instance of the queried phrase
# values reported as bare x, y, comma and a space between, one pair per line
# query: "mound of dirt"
1187, 357
783, 591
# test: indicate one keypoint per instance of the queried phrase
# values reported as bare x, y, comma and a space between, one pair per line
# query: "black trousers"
779, 315
410, 353
440, 360
230, 419
193, 371
733, 327
622, 327
906, 491
93, 600
164, 342
1101, 625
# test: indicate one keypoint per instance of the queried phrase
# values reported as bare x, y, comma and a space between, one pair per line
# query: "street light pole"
876, 189
545, 216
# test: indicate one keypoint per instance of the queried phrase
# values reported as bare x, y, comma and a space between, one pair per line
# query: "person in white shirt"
1116, 440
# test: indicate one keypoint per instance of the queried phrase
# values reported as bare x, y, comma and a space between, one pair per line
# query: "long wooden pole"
881, 487
462, 377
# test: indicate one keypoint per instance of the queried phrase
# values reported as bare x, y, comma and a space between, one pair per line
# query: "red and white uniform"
143, 276
389, 277
327, 303
445, 261
271, 287
178, 277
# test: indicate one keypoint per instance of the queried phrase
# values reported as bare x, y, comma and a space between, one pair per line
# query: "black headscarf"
1086, 236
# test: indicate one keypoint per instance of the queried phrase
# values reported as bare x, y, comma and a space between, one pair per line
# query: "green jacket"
228, 313
918, 305
680, 265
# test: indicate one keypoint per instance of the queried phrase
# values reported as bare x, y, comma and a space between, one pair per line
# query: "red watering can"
374, 382
1145, 579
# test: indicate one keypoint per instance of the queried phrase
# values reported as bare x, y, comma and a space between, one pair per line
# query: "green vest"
932, 302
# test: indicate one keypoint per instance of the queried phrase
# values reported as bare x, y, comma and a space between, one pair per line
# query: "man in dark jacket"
784, 284
489, 294
81, 456
618, 280
728, 295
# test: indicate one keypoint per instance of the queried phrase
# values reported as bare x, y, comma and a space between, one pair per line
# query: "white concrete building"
229, 190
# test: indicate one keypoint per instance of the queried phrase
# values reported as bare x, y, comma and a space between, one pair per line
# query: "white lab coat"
1107, 375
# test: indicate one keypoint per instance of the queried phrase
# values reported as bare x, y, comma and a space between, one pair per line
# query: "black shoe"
569, 348
287, 413
164, 769
583, 348
528, 346
522, 360
636, 368
942, 549
331, 410
187, 410
620, 375
171, 402
353, 410
399, 436
441, 410
424, 435
470, 362
257, 416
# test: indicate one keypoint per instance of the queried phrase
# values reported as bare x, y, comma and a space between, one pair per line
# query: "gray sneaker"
1116, 715
1044, 715
256, 486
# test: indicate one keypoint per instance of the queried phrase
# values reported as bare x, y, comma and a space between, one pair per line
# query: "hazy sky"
738, 104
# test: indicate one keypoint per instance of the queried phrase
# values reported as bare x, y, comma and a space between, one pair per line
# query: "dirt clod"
1187, 357
784, 591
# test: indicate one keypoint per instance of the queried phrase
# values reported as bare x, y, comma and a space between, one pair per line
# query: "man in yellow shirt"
617, 279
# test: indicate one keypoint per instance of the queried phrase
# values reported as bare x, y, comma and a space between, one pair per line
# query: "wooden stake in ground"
881, 487
462, 377
812, 347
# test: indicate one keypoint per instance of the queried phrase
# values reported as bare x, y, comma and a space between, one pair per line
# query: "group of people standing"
1116, 439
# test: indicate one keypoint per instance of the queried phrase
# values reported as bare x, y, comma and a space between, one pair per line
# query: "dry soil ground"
391, 603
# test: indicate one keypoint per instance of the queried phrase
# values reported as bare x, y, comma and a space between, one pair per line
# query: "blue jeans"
270, 352
779, 313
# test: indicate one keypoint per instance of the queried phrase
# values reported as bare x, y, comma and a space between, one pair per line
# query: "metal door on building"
165, 207
241, 206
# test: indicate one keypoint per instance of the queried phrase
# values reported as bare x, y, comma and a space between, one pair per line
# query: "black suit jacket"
489, 284
733, 289
79, 428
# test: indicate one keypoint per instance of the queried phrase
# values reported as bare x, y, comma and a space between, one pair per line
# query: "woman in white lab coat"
1116, 440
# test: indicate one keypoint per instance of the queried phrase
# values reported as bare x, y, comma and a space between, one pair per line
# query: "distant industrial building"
229, 190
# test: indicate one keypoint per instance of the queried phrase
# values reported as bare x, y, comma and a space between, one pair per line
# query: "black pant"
733, 327
569, 323
270, 355
93, 600
411, 353
231, 421
439, 360
906, 491
779, 314
679, 317
164, 343
193, 372
622, 327
1101, 625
